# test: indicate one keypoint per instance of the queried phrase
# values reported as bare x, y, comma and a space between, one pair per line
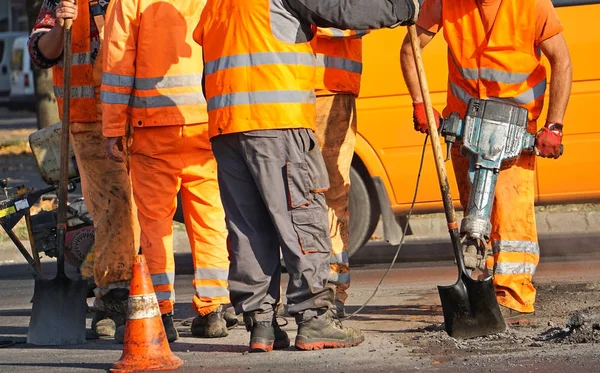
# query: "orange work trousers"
513, 236
336, 134
163, 161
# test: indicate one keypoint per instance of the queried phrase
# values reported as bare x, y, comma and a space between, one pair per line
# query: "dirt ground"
566, 315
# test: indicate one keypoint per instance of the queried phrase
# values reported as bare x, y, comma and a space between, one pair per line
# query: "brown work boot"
111, 312
514, 317
231, 319
326, 332
212, 325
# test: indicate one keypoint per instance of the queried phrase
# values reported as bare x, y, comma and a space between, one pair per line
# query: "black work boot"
212, 325
170, 330
111, 312
231, 319
266, 336
326, 331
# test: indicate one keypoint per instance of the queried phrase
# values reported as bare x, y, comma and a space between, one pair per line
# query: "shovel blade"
58, 312
470, 308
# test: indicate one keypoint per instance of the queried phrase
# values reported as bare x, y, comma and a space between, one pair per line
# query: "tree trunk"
45, 106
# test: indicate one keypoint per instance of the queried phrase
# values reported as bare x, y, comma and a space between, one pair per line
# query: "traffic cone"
145, 347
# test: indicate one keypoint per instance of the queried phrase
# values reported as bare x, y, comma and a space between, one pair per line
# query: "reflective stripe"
524, 98
361, 33
516, 247
500, 76
151, 102
187, 80
339, 278
211, 291
339, 63
341, 258
84, 58
460, 93
143, 306
336, 33
83, 91
117, 80
261, 97
211, 274
163, 278
257, 59
530, 95
165, 295
510, 268
114, 98
486, 73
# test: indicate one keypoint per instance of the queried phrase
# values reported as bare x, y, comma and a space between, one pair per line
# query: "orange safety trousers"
336, 134
163, 161
106, 190
513, 236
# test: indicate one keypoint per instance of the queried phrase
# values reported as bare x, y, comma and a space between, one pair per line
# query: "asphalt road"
401, 325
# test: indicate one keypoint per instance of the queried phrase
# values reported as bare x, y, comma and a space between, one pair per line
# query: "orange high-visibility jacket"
152, 66
83, 98
257, 75
506, 64
339, 60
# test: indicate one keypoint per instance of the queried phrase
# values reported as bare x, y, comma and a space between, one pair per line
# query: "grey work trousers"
272, 186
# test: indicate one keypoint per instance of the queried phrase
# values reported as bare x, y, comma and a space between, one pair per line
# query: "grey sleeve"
355, 14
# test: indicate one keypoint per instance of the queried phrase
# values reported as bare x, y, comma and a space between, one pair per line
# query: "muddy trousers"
107, 193
272, 184
163, 161
513, 237
336, 134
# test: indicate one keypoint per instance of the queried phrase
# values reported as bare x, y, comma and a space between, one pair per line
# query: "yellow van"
387, 146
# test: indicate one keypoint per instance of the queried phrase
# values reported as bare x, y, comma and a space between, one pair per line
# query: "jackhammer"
493, 135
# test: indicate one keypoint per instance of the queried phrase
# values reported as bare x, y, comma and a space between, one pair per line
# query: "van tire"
363, 207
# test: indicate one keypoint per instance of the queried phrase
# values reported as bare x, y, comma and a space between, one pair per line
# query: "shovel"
470, 306
59, 305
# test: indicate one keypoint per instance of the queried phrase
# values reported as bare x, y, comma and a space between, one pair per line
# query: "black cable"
403, 233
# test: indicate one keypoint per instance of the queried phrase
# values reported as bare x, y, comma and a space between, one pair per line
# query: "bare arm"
355, 14
407, 62
51, 44
561, 76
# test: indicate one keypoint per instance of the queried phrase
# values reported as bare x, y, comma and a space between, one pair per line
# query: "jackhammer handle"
437, 149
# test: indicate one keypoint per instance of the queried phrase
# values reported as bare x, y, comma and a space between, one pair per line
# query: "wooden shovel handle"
433, 130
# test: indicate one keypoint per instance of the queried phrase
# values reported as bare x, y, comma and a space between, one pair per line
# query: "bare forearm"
560, 89
409, 71
51, 44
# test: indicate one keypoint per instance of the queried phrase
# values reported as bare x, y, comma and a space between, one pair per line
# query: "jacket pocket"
312, 228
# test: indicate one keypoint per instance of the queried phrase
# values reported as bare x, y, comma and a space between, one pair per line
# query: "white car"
6, 44
22, 91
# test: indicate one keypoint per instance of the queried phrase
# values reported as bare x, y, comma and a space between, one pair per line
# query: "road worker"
495, 50
339, 69
260, 83
106, 186
151, 86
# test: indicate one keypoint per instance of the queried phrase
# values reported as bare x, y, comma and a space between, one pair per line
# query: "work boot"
212, 325
170, 330
514, 317
230, 318
111, 312
266, 336
326, 332
340, 309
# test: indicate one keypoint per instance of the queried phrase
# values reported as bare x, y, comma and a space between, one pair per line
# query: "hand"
420, 117
66, 9
110, 148
548, 141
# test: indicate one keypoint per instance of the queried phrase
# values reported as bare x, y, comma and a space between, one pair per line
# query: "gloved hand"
420, 117
548, 141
